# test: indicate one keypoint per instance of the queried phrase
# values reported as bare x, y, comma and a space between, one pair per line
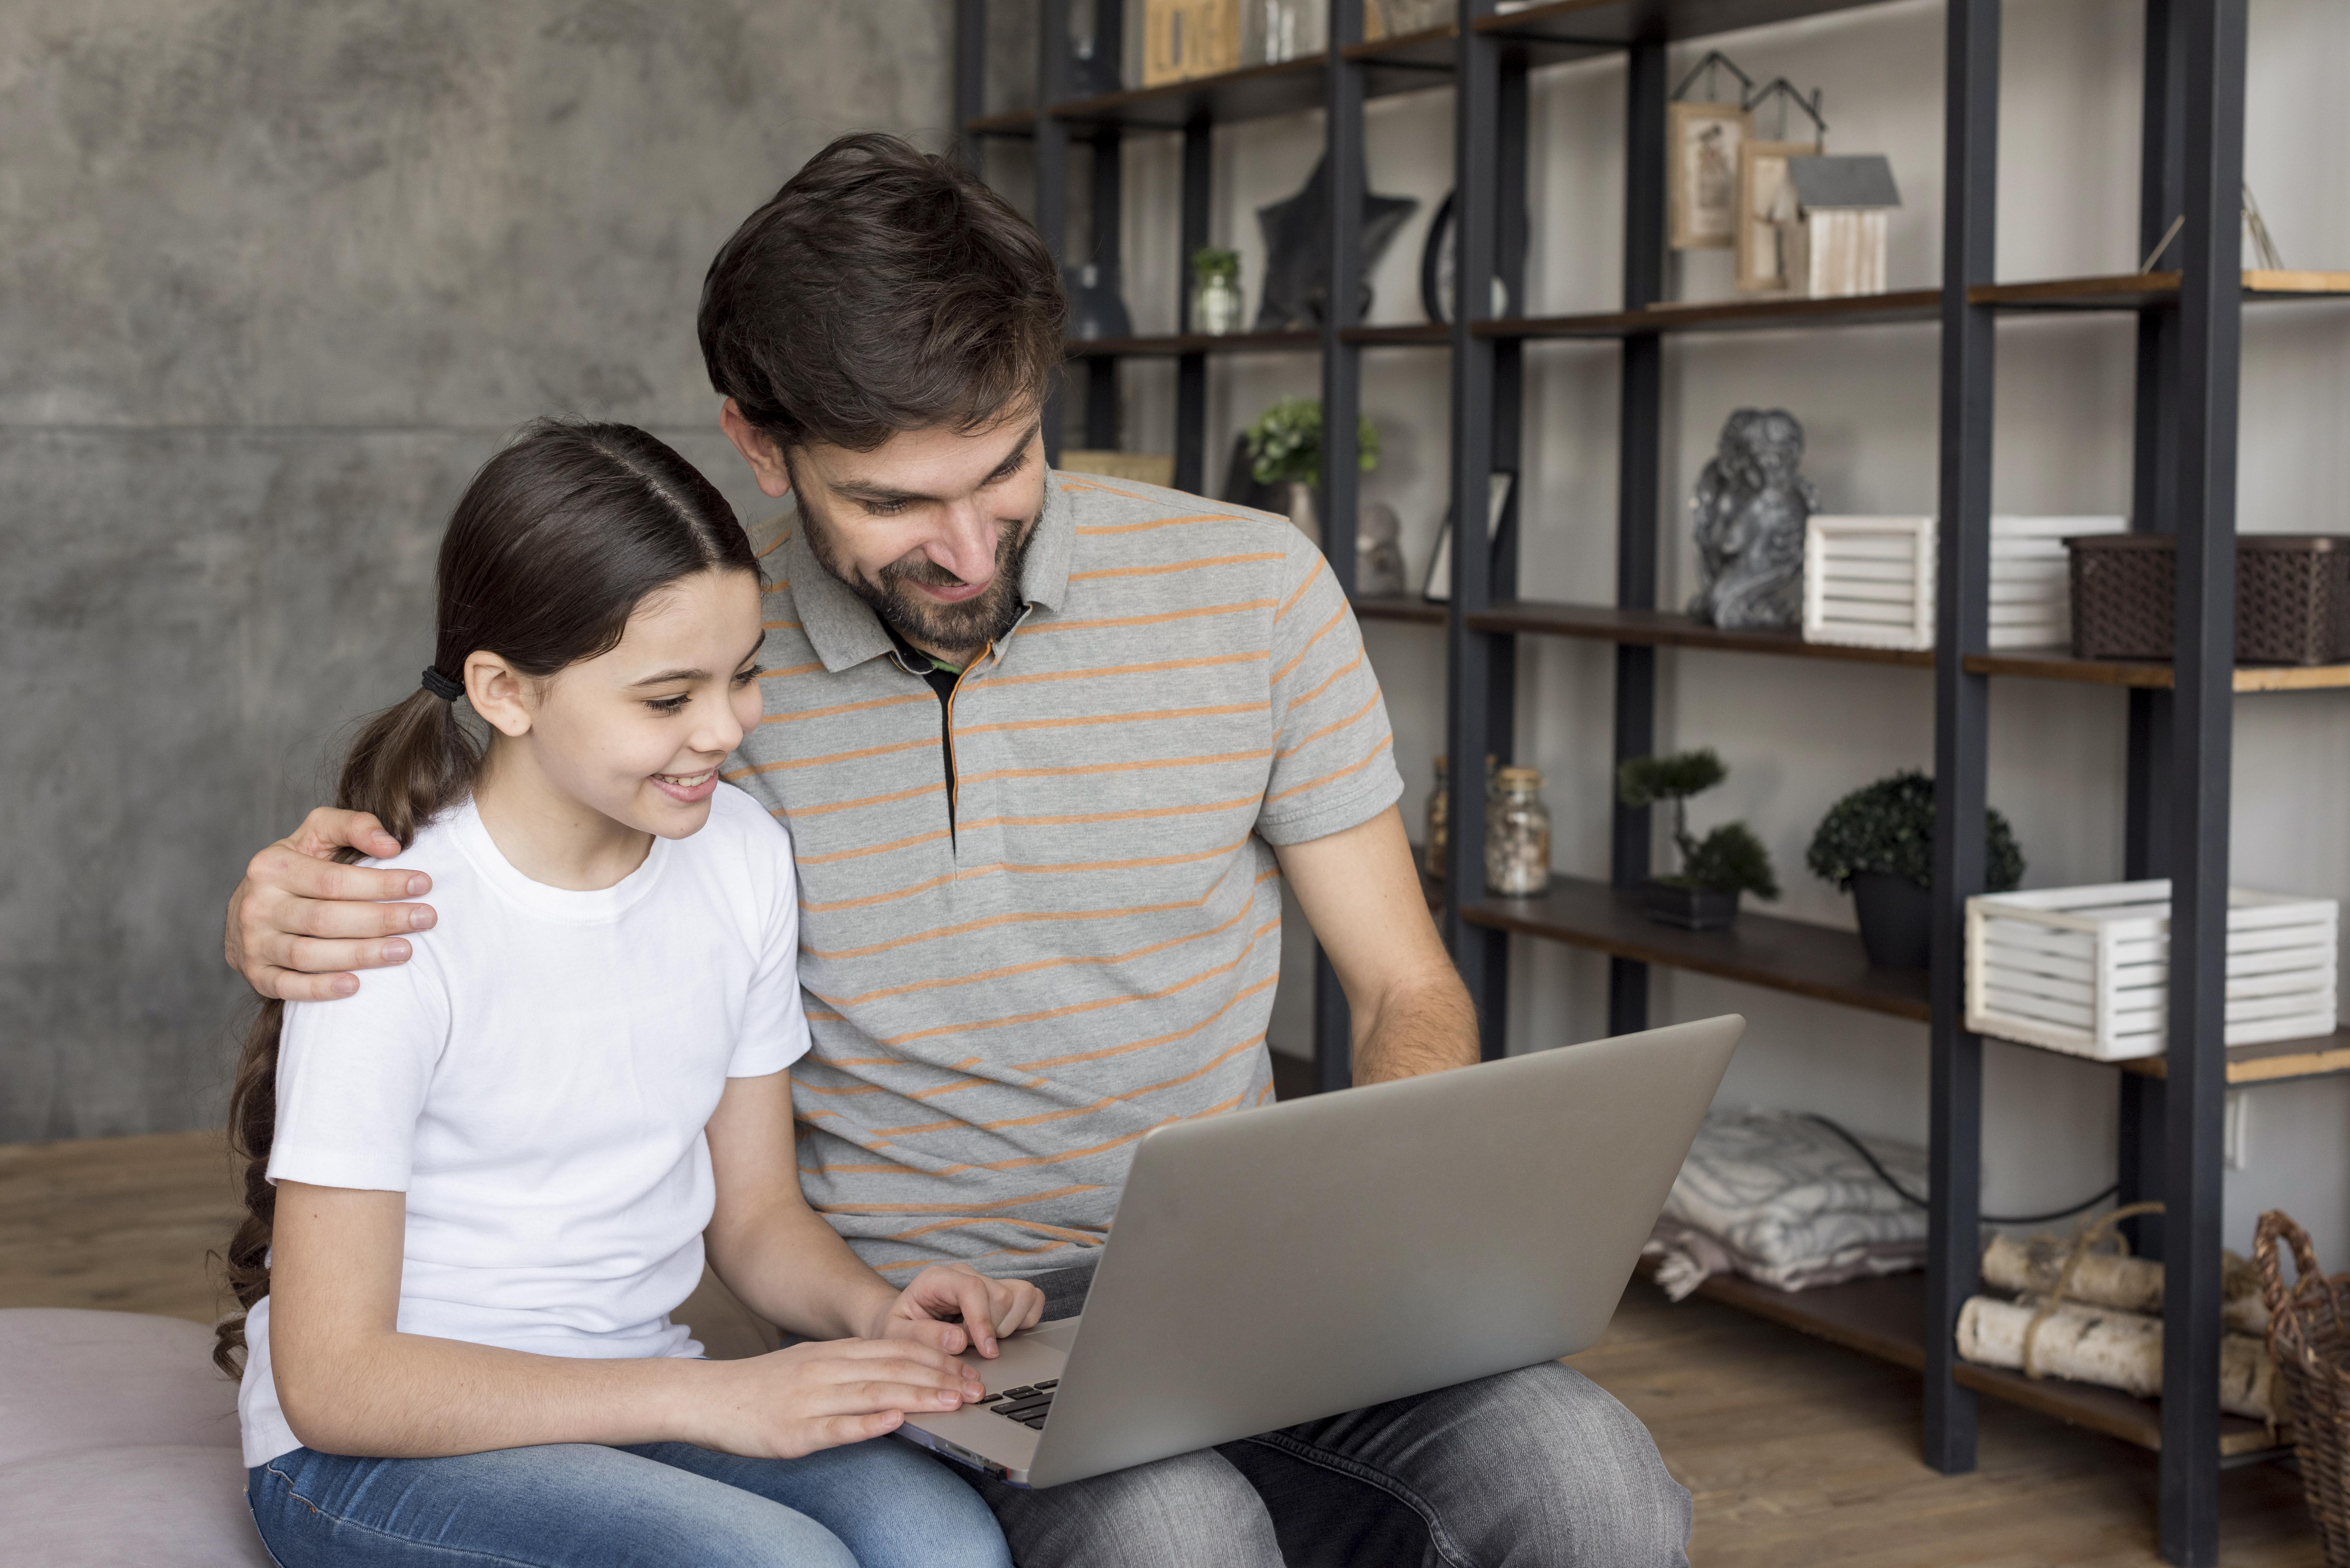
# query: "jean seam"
343, 1520
1437, 1536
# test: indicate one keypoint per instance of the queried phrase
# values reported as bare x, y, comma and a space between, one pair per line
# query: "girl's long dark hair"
550, 550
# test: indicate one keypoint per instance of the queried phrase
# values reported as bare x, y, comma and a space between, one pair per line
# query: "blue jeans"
880, 1504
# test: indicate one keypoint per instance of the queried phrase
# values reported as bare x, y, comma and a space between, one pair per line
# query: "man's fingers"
971, 1298
327, 829
309, 955
343, 920
284, 868
285, 985
1025, 1304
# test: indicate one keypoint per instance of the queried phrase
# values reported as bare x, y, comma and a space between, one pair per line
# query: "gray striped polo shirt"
1003, 1001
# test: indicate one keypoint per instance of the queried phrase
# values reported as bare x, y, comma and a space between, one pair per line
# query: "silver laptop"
1310, 1258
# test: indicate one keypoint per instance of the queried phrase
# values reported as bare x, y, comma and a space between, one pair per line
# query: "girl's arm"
792, 1269
350, 1383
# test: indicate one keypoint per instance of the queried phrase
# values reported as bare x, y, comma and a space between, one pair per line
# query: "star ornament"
1296, 269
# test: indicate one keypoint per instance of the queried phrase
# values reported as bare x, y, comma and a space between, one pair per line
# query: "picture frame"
1437, 586
1702, 145
1765, 201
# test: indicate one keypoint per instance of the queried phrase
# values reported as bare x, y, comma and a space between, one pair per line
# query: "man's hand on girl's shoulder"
301, 920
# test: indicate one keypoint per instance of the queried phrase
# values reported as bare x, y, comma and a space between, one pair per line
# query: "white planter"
1868, 582
2087, 969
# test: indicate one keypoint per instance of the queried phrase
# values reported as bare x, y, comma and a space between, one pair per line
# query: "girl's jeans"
876, 1504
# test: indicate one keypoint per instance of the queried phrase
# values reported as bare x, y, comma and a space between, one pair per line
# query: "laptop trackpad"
1025, 1356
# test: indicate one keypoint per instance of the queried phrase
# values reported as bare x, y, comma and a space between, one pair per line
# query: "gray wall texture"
275, 275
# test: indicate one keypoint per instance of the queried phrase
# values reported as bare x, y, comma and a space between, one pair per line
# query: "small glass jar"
1438, 844
1216, 304
1517, 835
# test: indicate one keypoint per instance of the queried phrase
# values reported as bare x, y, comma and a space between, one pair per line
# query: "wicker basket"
2309, 1338
2292, 597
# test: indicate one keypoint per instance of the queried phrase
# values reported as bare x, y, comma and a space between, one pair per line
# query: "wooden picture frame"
1702, 141
1763, 183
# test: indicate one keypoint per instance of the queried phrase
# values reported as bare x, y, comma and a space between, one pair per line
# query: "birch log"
2107, 1279
2112, 1349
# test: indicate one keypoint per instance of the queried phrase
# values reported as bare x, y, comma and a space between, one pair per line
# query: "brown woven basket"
2309, 1338
2292, 597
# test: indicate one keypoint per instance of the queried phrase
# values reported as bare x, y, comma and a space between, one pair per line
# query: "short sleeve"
1333, 753
352, 1076
774, 1032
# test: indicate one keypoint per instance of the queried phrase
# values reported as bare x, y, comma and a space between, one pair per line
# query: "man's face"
931, 527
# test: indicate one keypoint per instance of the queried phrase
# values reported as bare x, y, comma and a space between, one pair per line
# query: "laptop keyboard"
1029, 1403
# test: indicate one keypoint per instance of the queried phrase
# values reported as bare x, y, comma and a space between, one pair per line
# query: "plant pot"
1298, 500
1896, 920
1691, 909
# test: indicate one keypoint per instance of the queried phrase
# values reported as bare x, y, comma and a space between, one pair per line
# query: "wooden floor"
1800, 1454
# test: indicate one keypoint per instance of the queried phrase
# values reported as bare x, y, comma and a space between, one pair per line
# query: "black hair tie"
441, 686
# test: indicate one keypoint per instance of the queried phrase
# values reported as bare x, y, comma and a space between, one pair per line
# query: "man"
1047, 746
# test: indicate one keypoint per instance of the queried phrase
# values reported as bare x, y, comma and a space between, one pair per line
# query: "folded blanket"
1780, 1198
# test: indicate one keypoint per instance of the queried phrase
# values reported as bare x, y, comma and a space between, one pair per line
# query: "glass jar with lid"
1517, 835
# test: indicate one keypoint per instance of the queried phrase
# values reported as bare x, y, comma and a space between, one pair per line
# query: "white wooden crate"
2085, 970
1868, 582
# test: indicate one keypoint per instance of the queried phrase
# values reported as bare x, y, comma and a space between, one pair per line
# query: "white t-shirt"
536, 1079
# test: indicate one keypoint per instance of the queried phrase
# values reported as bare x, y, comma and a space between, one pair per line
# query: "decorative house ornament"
1749, 514
1832, 220
1868, 582
2087, 969
1187, 39
1297, 270
1272, 31
1762, 180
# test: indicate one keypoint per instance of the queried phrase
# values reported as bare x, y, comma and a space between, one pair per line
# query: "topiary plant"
1888, 827
1285, 445
1730, 859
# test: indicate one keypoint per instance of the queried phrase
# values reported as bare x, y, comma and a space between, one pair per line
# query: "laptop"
1318, 1256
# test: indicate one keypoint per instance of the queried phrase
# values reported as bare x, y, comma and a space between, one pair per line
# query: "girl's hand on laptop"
927, 1311
822, 1394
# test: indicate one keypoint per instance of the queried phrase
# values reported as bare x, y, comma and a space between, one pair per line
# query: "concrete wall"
1798, 734
275, 276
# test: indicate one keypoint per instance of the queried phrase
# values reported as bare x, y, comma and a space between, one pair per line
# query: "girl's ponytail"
410, 763
551, 549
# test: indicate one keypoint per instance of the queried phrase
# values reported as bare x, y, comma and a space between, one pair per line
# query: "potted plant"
1879, 842
1714, 869
1215, 291
1285, 447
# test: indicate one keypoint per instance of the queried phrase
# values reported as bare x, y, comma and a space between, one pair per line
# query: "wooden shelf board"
1391, 66
1598, 24
1422, 334
1405, 609
1884, 1318
1175, 343
1668, 629
2327, 1053
2058, 664
1725, 316
1760, 949
2137, 291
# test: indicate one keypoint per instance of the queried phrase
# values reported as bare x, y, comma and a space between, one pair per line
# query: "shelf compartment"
1760, 949
1419, 334
1173, 345
2278, 1060
1883, 1317
1403, 608
1668, 629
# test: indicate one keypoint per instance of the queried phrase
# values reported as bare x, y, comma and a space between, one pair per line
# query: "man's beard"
970, 624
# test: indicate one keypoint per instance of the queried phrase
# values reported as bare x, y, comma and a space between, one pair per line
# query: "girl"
480, 1187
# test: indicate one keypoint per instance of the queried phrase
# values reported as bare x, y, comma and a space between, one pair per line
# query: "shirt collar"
843, 629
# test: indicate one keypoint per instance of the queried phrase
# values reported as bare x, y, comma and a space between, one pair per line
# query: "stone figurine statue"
1749, 515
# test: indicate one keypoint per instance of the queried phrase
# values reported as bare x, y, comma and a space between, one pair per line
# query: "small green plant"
1285, 445
1730, 859
1888, 827
1208, 261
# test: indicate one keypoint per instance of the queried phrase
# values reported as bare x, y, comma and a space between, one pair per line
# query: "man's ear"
758, 449
499, 692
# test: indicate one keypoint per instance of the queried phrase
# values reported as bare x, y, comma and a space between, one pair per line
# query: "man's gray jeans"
1535, 1468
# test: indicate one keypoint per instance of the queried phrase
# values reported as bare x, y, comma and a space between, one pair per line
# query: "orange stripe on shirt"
1160, 522
1024, 1198
1234, 805
1085, 719
997, 1252
937, 787
1312, 577
789, 670
1017, 918
1145, 620
1345, 669
788, 762
1033, 1161
1161, 571
781, 540
1356, 717
874, 849
978, 871
836, 708
1034, 965
1337, 616
1342, 772
1108, 1051
1155, 667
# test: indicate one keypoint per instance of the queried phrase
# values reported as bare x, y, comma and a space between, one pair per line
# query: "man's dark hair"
882, 290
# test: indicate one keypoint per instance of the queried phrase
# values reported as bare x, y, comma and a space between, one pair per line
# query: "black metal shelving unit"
2179, 714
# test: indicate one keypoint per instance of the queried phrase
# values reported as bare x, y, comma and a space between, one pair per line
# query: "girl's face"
639, 733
